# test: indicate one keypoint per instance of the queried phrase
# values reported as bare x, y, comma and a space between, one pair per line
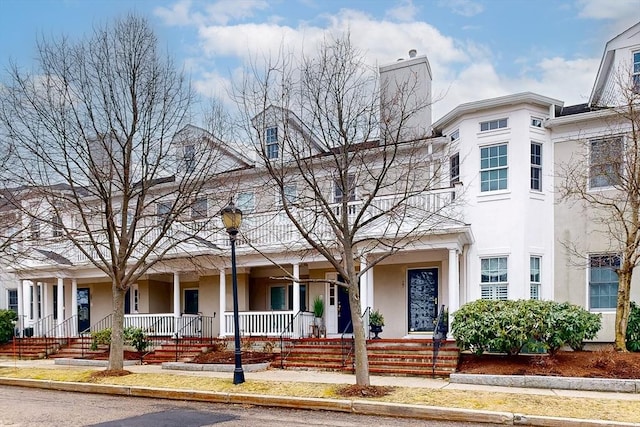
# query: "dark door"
84, 309
191, 301
423, 299
127, 302
344, 312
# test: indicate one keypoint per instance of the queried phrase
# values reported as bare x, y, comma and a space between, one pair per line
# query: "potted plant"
318, 312
376, 322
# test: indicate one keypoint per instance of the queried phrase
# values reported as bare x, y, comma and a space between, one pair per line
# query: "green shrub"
511, 326
132, 336
7, 325
633, 328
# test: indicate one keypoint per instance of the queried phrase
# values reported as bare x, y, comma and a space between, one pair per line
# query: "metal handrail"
180, 333
42, 325
289, 348
104, 323
58, 334
437, 337
349, 350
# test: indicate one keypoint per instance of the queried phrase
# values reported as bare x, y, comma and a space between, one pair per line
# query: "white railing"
159, 324
274, 228
269, 323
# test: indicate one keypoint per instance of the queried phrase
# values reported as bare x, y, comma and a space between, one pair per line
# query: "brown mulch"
363, 391
604, 363
229, 357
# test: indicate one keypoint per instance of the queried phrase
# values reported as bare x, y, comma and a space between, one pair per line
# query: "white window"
34, 229
281, 297
338, 192
636, 72
493, 168
199, 209
493, 125
56, 223
534, 277
603, 281
493, 278
162, 211
12, 299
605, 162
536, 166
454, 169
455, 135
272, 146
246, 202
290, 194
536, 122
189, 158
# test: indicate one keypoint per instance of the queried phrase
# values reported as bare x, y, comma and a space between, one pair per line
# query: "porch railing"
156, 324
43, 325
259, 323
59, 334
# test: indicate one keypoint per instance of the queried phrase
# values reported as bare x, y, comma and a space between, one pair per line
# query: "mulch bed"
605, 363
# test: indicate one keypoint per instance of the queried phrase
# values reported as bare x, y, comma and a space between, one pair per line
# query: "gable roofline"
501, 101
293, 120
607, 61
224, 147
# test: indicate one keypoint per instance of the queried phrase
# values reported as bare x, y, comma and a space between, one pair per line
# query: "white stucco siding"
515, 222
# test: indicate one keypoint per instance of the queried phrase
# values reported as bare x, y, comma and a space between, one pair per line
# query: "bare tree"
604, 179
102, 157
351, 171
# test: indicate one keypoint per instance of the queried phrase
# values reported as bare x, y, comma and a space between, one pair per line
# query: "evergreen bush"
7, 325
633, 328
512, 326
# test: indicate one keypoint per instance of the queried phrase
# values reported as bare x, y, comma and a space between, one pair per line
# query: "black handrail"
438, 334
347, 352
58, 334
104, 323
180, 333
288, 329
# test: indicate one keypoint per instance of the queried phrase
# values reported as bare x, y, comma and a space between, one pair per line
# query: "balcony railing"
269, 323
274, 229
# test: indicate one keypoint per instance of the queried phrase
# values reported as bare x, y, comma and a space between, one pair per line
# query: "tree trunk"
359, 336
622, 310
116, 353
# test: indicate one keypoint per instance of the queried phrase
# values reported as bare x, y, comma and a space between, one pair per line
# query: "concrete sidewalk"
333, 404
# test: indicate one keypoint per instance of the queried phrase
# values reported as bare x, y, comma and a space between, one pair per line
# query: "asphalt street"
24, 407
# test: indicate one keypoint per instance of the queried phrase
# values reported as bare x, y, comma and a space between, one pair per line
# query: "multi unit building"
508, 233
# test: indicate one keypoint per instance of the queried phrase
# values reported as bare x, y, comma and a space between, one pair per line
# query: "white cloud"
177, 15
466, 8
607, 9
223, 11
404, 12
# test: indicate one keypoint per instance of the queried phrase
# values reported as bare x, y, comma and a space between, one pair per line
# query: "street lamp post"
232, 218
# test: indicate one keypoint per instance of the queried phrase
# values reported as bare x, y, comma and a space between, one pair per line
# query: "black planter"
376, 329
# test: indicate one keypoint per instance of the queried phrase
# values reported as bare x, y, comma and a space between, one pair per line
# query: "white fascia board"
580, 117
485, 104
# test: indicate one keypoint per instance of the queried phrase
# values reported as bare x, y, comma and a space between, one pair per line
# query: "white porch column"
35, 292
26, 305
370, 286
223, 302
454, 283
46, 304
364, 286
74, 305
60, 297
296, 299
296, 288
176, 294
21, 312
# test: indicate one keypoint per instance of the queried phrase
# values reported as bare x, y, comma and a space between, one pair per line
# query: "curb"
310, 403
548, 382
214, 367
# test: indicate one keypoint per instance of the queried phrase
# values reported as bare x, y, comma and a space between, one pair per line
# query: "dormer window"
189, 158
272, 147
636, 72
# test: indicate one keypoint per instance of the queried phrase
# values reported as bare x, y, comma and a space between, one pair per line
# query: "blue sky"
477, 48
